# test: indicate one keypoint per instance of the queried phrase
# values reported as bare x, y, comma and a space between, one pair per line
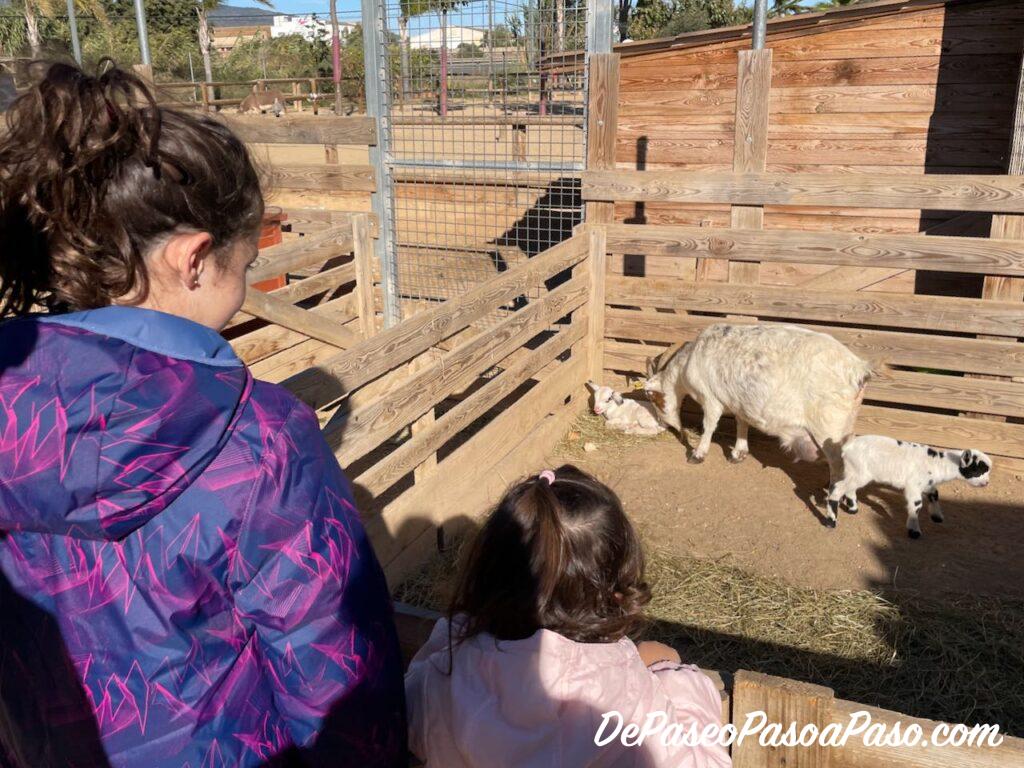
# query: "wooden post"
750, 152
145, 71
297, 93
314, 96
362, 246
602, 126
595, 330
1011, 226
782, 701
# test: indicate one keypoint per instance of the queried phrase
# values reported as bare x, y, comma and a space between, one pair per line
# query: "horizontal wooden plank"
945, 353
932, 313
914, 388
639, 76
951, 254
329, 279
998, 438
302, 129
323, 177
402, 342
993, 194
369, 426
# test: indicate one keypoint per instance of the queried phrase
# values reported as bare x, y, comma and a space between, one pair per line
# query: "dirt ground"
764, 516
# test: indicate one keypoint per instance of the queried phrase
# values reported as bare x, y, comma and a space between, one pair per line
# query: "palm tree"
336, 57
203, 7
408, 9
825, 5
32, 10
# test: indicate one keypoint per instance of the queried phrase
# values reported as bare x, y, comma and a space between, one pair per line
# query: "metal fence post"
375, 64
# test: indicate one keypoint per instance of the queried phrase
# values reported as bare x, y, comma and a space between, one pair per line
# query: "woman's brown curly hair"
93, 174
561, 556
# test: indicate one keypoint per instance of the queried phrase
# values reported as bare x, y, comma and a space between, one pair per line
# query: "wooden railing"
300, 91
950, 369
446, 405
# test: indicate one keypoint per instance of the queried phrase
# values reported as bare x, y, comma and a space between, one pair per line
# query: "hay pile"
961, 662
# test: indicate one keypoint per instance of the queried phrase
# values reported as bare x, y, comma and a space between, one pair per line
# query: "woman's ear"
184, 257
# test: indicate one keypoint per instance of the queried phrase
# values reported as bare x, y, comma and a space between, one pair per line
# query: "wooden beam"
784, 701
598, 270
363, 249
944, 353
602, 128
750, 146
400, 343
302, 321
329, 279
990, 194
299, 129
323, 177
367, 427
303, 252
930, 313
953, 254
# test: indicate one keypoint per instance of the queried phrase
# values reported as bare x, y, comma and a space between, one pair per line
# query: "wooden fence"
433, 416
950, 370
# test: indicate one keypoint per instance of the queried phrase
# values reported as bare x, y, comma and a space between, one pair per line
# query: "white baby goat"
629, 416
915, 469
800, 386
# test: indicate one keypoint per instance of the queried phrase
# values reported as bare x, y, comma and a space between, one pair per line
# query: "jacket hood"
107, 416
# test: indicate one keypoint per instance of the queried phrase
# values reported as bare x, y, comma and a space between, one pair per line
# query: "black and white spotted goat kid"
915, 469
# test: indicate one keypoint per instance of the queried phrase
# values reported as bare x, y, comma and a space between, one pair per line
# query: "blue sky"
304, 6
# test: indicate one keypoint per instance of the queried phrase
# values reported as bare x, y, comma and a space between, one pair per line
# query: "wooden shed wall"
928, 91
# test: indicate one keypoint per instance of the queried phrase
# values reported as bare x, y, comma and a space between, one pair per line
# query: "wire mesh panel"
485, 136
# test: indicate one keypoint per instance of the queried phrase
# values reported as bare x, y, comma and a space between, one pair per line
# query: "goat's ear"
592, 386
617, 397
652, 366
966, 458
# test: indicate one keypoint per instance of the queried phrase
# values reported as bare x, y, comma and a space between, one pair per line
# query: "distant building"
456, 36
311, 26
233, 24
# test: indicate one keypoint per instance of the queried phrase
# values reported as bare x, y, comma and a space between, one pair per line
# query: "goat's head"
604, 397
975, 468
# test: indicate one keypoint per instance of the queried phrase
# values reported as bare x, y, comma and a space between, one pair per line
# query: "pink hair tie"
548, 475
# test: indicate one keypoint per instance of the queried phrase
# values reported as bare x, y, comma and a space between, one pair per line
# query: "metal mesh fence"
485, 105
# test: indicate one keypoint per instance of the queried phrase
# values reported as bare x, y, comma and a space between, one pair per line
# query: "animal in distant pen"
917, 470
263, 102
624, 414
800, 386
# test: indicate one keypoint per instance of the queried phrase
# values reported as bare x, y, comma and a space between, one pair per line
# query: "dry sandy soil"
764, 515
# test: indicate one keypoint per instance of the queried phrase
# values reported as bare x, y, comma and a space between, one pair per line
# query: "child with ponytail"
184, 579
535, 649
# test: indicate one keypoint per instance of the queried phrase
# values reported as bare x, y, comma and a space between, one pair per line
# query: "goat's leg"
739, 448
836, 492
932, 497
670, 414
712, 413
914, 504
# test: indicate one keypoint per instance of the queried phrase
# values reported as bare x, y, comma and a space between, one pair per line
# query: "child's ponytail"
93, 172
557, 553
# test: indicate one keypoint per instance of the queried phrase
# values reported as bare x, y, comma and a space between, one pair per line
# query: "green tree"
202, 9
786, 7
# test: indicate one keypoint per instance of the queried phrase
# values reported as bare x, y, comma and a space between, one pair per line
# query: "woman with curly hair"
184, 579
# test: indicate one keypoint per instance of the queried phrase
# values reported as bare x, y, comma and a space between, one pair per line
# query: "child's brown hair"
557, 553
93, 173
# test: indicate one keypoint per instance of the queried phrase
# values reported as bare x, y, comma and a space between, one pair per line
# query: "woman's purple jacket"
184, 580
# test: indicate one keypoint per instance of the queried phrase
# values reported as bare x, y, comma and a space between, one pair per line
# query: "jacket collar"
154, 331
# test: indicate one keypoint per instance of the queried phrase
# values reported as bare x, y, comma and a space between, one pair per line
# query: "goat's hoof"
695, 459
913, 534
852, 510
829, 522
938, 519
736, 458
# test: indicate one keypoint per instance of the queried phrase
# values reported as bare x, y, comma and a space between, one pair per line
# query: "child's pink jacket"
539, 702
